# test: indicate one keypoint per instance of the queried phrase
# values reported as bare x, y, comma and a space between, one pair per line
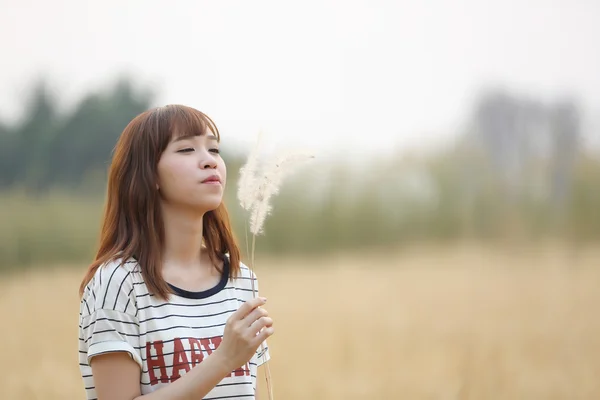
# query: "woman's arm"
117, 376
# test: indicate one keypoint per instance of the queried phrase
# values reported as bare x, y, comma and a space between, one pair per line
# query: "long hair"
132, 226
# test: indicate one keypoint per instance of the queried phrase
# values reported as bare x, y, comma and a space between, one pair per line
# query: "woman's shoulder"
246, 280
120, 265
112, 282
244, 272
116, 270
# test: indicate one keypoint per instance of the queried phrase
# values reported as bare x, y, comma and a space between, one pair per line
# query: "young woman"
167, 308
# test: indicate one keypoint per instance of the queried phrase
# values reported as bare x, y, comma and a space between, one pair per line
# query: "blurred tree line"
47, 148
519, 170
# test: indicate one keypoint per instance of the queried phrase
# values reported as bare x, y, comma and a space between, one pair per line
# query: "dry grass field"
460, 323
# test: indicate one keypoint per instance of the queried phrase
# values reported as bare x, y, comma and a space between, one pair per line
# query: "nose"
208, 161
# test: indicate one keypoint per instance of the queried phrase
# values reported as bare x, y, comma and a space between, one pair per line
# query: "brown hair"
132, 225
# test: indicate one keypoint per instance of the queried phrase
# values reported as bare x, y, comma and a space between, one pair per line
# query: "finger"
254, 315
247, 307
262, 336
260, 323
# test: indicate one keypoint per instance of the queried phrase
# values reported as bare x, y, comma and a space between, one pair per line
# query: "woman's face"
191, 173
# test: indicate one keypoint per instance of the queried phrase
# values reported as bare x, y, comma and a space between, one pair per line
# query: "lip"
214, 179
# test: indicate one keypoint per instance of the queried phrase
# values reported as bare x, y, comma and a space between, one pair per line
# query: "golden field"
459, 323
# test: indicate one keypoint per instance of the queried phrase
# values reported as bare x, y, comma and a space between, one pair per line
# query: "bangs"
184, 121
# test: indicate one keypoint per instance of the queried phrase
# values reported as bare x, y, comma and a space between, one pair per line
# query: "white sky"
340, 77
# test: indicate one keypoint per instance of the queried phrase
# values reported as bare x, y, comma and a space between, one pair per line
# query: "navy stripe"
119, 291
187, 316
111, 320
128, 300
108, 287
190, 305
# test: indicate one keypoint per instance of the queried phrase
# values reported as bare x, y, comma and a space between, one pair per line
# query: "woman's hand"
245, 330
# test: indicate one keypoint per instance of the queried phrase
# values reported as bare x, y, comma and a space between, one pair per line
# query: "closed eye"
186, 150
216, 151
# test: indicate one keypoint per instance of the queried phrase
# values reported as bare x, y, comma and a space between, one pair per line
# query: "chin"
201, 202
213, 207
209, 206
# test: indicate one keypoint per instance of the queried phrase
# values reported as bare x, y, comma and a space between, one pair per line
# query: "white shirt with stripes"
165, 338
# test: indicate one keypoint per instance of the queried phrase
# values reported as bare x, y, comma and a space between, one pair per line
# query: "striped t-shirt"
165, 338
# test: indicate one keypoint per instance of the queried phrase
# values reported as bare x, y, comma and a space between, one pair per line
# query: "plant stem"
247, 250
268, 371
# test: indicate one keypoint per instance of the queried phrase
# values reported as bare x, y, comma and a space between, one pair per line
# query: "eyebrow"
185, 137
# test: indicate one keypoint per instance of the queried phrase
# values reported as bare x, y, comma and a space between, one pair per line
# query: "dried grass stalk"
255, 191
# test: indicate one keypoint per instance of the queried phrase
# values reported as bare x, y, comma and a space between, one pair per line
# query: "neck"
183, 236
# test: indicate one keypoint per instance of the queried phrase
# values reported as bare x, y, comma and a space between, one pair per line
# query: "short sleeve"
108, 321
